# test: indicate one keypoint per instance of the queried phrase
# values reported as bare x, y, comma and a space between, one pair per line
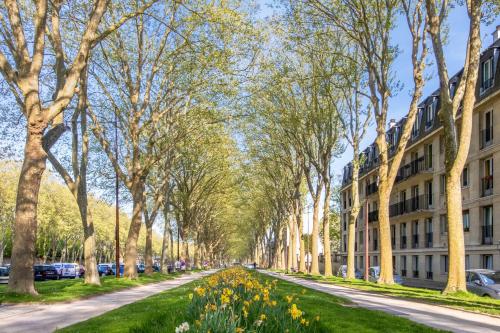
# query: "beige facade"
417, 210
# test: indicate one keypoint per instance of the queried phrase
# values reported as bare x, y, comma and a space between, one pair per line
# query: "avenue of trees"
219, 129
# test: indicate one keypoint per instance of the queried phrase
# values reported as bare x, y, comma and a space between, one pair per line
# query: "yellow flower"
273, 303
256, 297
289, 299
294, 311
200, 291
224, 299
263, 317
303, 291
317, 318
190, 296
240, 330
302, 321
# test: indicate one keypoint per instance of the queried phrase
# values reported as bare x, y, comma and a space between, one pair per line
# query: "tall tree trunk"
353, 216
386, 271
293, 248
2, 250
300, 235
315, 235
149, 247
23, 249
289, 252
135, 227
326, 230
164, 244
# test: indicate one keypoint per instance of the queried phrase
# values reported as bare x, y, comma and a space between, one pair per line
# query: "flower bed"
234, 300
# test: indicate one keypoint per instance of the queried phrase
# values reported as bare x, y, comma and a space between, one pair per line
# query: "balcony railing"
429, 275
486, 137
415, 274
414, 241
487, 234
373, 216
371, 188
428, 239
402, 245
411, 169
411, 205
487, 185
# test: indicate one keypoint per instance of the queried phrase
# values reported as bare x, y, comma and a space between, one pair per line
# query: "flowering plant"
235, 300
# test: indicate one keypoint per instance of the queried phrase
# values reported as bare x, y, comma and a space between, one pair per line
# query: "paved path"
431, 315
46, 318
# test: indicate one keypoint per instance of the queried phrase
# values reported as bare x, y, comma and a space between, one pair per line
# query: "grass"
66, 290
165, 311
463, 301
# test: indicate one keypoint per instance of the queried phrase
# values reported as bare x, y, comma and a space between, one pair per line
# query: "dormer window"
487, 74
416, 125
453, 88
429, 116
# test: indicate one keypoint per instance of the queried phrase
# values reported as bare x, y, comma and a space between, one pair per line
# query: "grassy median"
70, 289
165, 311
463, 301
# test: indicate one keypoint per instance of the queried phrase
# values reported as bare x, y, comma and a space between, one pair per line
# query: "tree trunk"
23, 249
315, 236
133, 233
164, 245
456, 248
2, 249
289, 261
353, 216
294, 243
326, 231
149, 248
386, 271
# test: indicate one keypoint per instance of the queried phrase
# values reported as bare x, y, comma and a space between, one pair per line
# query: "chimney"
496, 34
392, 123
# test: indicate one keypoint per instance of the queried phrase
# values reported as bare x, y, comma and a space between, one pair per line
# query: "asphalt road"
431, 315
49, 317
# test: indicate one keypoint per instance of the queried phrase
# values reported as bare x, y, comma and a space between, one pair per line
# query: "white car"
69, 270
58, 266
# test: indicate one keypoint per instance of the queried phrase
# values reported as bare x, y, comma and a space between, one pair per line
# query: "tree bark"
326, 231
300, 235
386, 271
315, 236
130, 270
149, 248
23, 250
164, 245
353, 215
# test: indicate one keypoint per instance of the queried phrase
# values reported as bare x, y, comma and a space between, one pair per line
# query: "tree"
369, 25
457, 136
23, 70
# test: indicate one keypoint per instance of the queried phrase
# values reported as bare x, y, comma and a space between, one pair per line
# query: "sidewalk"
49, 317
431, 315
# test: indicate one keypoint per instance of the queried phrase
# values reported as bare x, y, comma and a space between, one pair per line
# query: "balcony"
402, 245
428, 239
411, 205
486, 137
414, 241
429, 275
373, 216
487, 234
403, 272
415, 274
414, 167
371, 188
487, 185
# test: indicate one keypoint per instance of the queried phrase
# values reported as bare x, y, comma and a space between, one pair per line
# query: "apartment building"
417, 210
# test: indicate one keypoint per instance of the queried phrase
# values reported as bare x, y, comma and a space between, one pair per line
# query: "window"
487, 181
429, 116
416, 125
361, 239
415, 240
465, 176
415, 266
467, 261
375, 260
453, 87
403, 265
442, 184
487, 261
402, 236
444, 264
486, 136
487, 227
345, 200
428, 194
375, 239
428, 267
345, 221
443, 225
393, 236
361, 262
428, 232
466, 220
487, 74
428, 156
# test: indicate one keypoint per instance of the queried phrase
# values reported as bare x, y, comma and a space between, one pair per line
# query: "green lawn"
65, 290
464, 301
165, 311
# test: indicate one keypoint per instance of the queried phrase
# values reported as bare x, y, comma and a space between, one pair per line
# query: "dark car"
45, 272
484, 282
105, 269
4, 275
141, 268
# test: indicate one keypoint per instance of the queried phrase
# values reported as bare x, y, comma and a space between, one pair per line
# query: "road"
431, 315
49, 317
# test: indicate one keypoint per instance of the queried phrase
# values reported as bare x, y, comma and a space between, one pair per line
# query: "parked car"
45, 272
122, 268
105, 269
483, 282
70, 270
4, 275
141, 268
58, 266
156, 267
374, 273
342, 272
